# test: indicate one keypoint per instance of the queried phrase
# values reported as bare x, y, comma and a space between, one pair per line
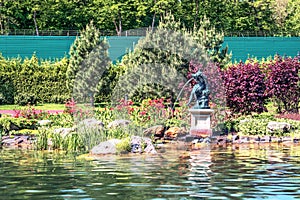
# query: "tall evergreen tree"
161, 60
88, 60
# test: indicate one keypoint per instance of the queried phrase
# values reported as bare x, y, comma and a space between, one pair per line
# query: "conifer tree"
162, 59
159, 62
88, 59
207, 35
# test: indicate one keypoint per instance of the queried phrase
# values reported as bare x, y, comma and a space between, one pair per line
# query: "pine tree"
161, 60
207, 35
88, 60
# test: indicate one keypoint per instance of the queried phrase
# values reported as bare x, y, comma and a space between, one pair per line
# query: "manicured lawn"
38, 107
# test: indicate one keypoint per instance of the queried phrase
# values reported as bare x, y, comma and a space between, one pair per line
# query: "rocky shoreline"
145, 145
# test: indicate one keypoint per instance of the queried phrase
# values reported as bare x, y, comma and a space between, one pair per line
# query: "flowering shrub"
283, 83
245, 88
30, 112
70, 106
149, 112
78, 112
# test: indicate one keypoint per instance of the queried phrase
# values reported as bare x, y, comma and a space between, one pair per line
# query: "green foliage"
231, 16
61, 120
124, 145
23, 99
41, 142
159, 62
108, 82
88, 60
8, 124
32, 80
90, 136
73, 142
252, 126
120, 132
257, 125
46, 139
207, 35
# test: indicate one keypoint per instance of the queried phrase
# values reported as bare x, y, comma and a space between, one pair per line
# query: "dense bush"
283, 83
8, 124
32, 80
245, 88
256, 124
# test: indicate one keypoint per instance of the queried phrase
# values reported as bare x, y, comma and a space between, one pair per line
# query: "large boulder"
156, 131
118, 123
16, 140
278, 126
107, 147
175, 132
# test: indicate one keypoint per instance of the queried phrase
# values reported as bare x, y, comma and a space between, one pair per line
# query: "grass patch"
38, 107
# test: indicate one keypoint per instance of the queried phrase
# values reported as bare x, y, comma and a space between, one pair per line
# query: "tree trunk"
197, 13
1, 25
118, 26
153, 21
120, 23
35, 24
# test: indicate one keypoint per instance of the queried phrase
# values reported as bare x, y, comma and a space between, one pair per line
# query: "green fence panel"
51, 47
261, 47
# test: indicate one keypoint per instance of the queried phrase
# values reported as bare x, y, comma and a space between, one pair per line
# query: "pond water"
231, 172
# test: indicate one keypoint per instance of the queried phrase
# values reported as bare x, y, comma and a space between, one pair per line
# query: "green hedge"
33, 81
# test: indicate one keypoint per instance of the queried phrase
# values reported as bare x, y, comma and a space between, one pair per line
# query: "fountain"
200, 112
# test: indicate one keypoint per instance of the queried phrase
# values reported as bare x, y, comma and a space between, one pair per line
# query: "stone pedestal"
200, 122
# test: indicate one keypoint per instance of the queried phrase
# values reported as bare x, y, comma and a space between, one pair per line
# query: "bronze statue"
200, 91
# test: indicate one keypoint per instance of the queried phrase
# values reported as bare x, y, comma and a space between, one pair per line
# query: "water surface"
232, 172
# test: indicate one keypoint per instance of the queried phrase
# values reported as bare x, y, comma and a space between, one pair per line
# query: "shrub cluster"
283, 83
32, 80
245, 88
250, 85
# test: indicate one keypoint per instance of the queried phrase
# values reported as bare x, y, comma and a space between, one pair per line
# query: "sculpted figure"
200, 91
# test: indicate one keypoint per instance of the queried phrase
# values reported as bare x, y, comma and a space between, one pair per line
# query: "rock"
174, 132
107, 147
244, 139
296, 140
118, 123
266, 139
156, 131
90, 123
149, 146
278, 126
12, 127
206, 140
44, 122
150, 149
137, 144
235, 139
15, 140
8, 141
63, 131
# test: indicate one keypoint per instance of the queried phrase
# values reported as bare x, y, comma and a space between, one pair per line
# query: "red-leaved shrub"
283, 83
245, 88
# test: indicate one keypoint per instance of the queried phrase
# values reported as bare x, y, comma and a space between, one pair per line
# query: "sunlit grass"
38, 107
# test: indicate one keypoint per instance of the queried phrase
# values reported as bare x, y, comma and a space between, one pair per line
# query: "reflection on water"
233, 172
